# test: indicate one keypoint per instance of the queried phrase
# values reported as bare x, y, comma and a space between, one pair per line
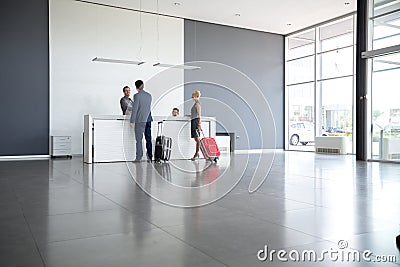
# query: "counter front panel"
110, 138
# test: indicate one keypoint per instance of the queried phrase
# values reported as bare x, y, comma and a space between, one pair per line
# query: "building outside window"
319, 84
384, 72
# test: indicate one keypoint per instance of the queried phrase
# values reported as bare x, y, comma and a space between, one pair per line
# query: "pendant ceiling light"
185, 67
124, 61
121, 61
165, 65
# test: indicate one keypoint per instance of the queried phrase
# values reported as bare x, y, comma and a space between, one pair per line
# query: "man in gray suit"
141, 119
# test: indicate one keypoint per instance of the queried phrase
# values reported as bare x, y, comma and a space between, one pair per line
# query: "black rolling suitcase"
163, 145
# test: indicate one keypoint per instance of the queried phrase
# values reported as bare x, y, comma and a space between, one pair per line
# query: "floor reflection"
66, 213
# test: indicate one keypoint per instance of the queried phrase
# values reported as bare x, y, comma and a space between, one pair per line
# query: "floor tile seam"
94, 236
284, 198
62, 174
280, 225
132, 232
277, 224
316, 187
330, 209
284, 210
361, 215
303, 176
192, 246
72, 177
33, 238
89, 187
104, 167
232, 212
291, 199
333, 210
29, 227
125, 208
102, 195
237, 211
304, 202
320, 178
250, 254
71, 213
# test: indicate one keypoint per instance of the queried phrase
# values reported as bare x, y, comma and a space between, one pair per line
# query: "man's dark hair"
177, 109
123, 89
138, 84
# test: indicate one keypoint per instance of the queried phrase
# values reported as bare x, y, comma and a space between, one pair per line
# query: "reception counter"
109, 138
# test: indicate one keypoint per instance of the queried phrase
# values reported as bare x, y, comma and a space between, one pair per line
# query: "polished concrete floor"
63, 212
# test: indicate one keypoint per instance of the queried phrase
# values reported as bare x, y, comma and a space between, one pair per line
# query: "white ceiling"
263, 15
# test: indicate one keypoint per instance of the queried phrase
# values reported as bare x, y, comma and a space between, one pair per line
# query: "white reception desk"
109, 138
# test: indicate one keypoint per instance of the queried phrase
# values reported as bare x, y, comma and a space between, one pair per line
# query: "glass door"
385, 109
384, 73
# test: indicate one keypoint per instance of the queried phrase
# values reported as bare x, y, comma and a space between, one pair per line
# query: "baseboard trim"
256, 151
28, 157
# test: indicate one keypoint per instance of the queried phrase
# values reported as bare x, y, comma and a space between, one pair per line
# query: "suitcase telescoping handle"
160, 125
198, 132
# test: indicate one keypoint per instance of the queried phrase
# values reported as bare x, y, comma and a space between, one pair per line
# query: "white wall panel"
81, 31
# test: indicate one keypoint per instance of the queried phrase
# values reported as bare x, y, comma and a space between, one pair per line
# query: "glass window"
386, 63
385, 72
301, 70
337, 42
336, 35
386, 31
337, 63
337, 103
337, 109
333, 44
385, 6
386, 108
302, 44
301, 116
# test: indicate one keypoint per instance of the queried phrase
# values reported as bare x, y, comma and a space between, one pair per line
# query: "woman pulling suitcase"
195, 122
207, 145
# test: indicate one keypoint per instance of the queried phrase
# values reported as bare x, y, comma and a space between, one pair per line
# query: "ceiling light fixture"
164, 65
346, 3
184, 67
121, 61
177, 4
124, 61
237, 15
288, 24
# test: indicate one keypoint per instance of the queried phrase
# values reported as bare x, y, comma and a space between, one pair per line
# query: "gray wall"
260, 56
24, 77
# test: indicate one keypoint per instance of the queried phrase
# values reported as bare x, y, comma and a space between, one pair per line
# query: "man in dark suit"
141, 120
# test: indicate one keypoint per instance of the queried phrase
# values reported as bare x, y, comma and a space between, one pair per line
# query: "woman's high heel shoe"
194, 157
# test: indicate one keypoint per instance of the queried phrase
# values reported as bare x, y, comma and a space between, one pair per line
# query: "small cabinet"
60, 146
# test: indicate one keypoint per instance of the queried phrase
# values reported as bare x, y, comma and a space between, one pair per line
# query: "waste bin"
232, 137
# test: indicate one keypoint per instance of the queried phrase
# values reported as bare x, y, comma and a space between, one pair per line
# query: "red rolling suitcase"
209, 148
